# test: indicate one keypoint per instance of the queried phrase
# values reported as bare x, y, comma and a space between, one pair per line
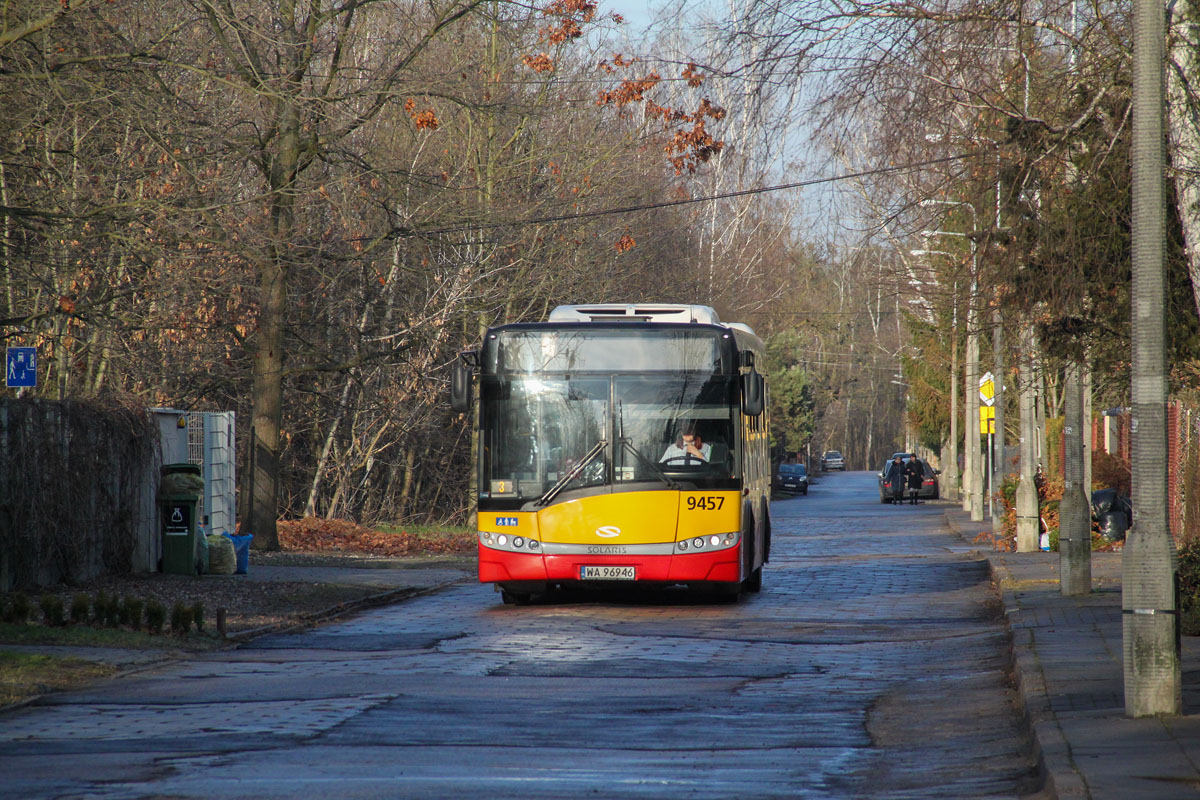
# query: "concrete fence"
74, 502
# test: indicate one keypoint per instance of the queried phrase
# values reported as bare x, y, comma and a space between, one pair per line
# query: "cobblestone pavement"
872, 665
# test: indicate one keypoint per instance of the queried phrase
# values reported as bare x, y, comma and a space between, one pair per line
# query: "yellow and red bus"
620, 443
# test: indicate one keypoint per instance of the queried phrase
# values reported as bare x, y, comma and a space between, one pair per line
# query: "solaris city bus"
620, 443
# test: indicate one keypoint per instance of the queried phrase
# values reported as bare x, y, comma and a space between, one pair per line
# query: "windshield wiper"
572, 473
627, 443
648, 463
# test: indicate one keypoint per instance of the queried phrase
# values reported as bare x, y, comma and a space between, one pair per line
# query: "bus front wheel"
515, 598
726, 592
754, 582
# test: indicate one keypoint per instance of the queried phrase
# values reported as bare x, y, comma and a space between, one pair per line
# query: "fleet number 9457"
705, 503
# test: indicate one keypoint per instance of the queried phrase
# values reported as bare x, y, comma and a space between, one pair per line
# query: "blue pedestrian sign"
20, 367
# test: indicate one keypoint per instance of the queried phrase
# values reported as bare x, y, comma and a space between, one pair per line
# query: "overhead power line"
466, 227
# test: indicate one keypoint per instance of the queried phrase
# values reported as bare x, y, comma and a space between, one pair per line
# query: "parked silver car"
831, 460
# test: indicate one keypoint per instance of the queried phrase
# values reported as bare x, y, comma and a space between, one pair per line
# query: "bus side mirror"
752, 393
460, 381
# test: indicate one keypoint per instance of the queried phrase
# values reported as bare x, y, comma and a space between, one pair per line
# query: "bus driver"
688, 448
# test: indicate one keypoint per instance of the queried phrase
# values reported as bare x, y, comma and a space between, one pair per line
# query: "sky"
815, 202
635, 12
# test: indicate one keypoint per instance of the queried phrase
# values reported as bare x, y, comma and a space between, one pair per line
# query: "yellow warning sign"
987, 389
987, 419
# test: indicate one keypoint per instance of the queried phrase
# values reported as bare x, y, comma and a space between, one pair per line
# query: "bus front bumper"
502, 566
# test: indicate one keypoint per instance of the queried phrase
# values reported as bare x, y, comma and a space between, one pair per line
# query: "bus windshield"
611, 350
538, 431
679, 426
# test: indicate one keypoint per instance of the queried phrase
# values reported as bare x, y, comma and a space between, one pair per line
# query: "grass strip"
25, 675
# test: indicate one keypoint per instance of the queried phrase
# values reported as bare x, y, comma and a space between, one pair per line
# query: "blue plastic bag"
241, 550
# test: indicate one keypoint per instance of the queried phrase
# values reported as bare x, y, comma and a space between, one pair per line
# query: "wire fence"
1112, 459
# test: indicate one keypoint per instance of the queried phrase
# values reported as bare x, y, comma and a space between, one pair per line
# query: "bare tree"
1183, 125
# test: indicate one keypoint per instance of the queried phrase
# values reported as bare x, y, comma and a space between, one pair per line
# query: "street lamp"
973, 499
952, 477
995, 462
908, 437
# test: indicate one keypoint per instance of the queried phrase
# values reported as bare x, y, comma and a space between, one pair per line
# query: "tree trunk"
407, 484
1183, 126
314, 490
267, 391
267, 410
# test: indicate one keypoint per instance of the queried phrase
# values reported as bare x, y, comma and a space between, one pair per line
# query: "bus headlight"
512, 544
708, 543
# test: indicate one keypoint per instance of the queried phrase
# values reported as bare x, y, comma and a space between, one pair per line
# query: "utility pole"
1074, 521
999, 468
1085, 377
952, 468
1150, 618
974, 451
1029, 526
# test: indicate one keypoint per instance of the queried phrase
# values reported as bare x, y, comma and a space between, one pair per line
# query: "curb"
1050, 747
1050, 744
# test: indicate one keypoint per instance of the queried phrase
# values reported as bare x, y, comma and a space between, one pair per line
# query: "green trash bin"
179, 494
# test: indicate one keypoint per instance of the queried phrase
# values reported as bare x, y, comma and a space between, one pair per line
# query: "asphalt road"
872, 665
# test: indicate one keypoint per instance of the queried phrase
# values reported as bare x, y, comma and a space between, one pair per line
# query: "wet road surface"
872, 665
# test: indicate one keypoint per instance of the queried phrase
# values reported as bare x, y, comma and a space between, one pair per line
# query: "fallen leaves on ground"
316, 535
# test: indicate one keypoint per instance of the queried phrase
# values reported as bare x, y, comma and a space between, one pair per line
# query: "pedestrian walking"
895, 479
914, 471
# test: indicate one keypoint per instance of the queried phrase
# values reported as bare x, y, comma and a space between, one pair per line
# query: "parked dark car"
930, 487
792, 478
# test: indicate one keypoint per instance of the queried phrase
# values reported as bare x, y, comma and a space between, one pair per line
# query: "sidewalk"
1068, 665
